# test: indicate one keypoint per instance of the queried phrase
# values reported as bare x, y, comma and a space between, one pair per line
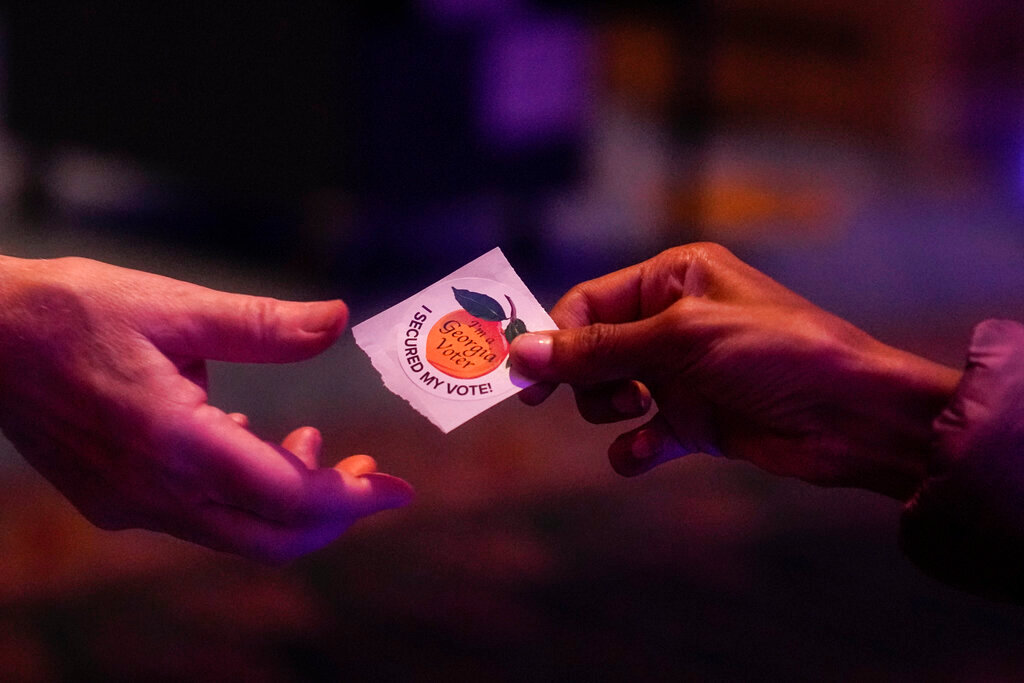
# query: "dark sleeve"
965, 526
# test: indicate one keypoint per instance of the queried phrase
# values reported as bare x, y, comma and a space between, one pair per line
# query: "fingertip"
324, 317
357, 465
304, 436
613, 401
342, 315
305, 443
631, 399
531, 354
241, 419
388, 492
642, 449
624, 460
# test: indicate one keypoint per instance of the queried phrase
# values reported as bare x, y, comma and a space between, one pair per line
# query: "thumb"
249, 329
586, 355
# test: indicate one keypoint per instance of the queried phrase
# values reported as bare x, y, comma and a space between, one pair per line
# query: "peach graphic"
464, 346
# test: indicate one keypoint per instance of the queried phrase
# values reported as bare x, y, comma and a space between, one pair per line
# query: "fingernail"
323, 316
391, 492
533, 351
312, 440
630, 399
632, 454
240, 419
644, 447
358, 465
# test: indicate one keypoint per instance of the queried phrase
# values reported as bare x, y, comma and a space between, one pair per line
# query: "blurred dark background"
868, 154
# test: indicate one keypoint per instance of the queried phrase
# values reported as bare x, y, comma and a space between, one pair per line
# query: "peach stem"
512, 316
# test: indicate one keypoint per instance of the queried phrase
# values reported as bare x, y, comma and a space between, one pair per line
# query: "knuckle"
575, 293
262, 316
595, 351
708, 254
71, 262
595, 339
690, 269
573, 307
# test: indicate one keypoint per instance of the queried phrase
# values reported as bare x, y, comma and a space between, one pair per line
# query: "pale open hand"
739, 366
103, 390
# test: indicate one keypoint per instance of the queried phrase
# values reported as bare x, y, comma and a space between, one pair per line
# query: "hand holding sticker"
451, 341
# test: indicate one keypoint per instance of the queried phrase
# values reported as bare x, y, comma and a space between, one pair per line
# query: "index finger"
611, 298
642, 290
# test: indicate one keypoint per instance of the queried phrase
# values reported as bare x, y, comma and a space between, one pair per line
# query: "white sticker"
445, 350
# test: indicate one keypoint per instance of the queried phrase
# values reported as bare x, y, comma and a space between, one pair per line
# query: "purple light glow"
1020, 163
534, 82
